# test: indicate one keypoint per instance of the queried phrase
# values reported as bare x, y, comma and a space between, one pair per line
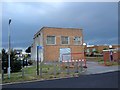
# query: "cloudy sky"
99, 21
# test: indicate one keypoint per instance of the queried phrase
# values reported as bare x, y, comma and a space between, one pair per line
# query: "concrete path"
95, 68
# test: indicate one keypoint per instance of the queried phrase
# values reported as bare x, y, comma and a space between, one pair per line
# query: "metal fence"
48, 70
54, 69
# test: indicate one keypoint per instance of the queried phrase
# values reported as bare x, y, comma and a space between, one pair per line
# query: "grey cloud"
98, 20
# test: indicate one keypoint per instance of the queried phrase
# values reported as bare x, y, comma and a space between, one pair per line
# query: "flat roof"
55, 28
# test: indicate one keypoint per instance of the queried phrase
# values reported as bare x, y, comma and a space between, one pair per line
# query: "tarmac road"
102, 80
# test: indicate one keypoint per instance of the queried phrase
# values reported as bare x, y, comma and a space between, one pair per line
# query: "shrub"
14, 63
16, 66
30, 62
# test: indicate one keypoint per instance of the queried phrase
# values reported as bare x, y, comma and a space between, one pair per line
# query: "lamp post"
84, 44
110, 46
9, 48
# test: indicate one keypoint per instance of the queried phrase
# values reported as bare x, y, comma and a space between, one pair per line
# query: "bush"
16, 66
14, 63
30, 62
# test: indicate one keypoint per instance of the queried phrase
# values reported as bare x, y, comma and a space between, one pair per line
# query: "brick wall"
116, 55
52, 52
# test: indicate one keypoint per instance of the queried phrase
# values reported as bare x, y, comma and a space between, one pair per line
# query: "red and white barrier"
83, 60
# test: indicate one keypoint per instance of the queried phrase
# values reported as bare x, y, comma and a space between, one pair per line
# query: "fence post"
23, 69
54, 63
40, 68
81, 67
76, 66
2, 74
60, 69
68, 71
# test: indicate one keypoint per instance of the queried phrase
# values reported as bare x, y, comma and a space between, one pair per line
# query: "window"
78, 40
88, 50
50, 39
64, 40
93, 49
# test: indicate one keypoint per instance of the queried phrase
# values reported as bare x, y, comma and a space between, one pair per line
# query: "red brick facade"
52, 52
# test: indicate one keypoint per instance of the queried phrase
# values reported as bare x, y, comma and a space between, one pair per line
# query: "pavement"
95, 68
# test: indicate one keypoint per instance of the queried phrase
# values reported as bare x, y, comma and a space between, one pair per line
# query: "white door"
65, 51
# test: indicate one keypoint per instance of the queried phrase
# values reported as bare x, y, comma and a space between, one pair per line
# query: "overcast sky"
99, 21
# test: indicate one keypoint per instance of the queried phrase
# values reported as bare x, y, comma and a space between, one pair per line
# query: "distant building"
99, 48
116, 46
115, 54
96, 48
57, 41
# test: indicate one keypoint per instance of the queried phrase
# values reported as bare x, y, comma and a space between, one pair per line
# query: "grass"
47, 74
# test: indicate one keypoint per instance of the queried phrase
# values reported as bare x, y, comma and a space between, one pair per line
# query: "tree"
95, 51
28, 50
4, 60
105, 49
14, 63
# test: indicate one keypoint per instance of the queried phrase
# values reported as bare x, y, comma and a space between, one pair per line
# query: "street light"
84, 45
110, 46
9, 48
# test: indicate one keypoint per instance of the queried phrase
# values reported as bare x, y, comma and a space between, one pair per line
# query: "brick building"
57, 41
116, 53
116, 46
99, 48
96, 48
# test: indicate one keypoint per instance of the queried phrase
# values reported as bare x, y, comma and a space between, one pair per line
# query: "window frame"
77, 41
61, 40
51, 36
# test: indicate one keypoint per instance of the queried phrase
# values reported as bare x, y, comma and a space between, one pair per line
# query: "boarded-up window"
64, 40
50, 39
78, 40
